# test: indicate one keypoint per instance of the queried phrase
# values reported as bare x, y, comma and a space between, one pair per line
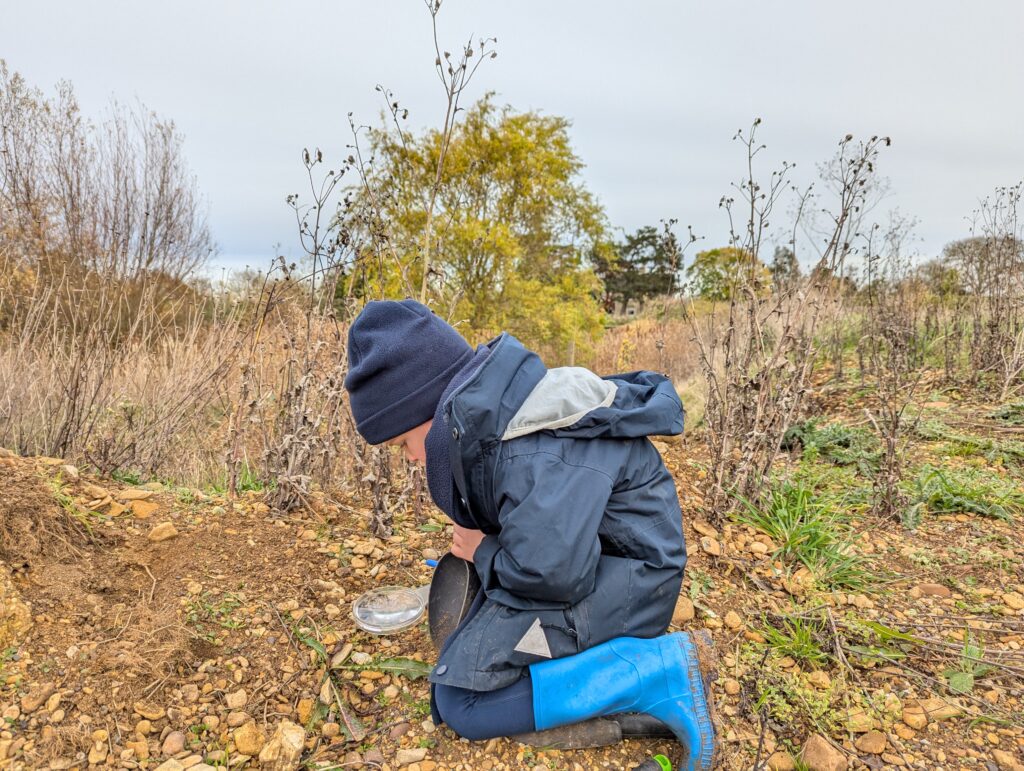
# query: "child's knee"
455, 706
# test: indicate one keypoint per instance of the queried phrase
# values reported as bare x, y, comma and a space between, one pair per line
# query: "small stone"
148, 711
711, 546
781, 761
1005, 760
170, 765
144, 509
684, 611
134, 494
98, 753
938, 710
95, 491
330, 730
237, 699
406, 757
858, 721
35, 698
820, 679
163, 532
236, 719
1014, 600
400, 730
69, 471
704, 528
934, 590
194, 588
284, 749
249, 739
873, 742
732, 620
801, 582
732, 687
819, 755
304, 709
174, 743
913, 716
391, 692
143, 728
756, 547
139, 747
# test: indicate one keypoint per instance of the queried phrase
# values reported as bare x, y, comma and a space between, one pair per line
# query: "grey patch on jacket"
562, 397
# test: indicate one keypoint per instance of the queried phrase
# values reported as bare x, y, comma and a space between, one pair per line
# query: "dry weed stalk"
757, 364
893, 345
304, 423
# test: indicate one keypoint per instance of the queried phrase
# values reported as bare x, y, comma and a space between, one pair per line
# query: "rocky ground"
148, 626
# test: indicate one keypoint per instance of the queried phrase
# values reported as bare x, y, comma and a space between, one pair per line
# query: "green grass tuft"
965, 490
834, 442
810, 529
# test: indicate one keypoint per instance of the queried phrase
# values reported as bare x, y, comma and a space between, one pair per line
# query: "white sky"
655, 91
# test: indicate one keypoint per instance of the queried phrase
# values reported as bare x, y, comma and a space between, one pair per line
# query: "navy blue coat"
584, 538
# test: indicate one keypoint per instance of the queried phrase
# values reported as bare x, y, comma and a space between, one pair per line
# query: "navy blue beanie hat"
401, 357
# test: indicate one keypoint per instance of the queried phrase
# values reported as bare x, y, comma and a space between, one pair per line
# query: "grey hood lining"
562, 397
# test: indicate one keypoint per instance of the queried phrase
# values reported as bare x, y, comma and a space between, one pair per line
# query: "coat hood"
513, 394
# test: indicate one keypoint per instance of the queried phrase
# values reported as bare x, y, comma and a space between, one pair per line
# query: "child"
567, 512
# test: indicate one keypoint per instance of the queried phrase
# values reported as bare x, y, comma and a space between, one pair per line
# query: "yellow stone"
144, 509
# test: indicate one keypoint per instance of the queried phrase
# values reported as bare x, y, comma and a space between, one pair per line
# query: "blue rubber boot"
660, 677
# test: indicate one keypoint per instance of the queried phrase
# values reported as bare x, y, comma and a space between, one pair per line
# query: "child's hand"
465, 541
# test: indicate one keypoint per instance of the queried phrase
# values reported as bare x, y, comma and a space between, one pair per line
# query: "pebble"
820, 679
174, 743
1014, 600
732, 620
34, 699
407, 757
933, 590
872, 742
236, 699
249, 739
711, 546
170, 765
163, 532
781, 761
149, 711
683, 612
819, 755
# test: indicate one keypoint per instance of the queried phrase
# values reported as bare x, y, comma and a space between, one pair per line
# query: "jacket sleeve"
548, 546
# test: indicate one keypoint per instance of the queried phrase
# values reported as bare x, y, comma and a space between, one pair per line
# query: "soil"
194, 651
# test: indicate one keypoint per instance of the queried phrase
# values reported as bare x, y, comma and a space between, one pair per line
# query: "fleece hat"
400, 359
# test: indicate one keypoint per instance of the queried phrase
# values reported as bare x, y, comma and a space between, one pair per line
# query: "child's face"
413, 442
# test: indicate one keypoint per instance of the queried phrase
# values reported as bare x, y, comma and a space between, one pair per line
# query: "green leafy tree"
785, 269
717, 273
644, 265
513, 225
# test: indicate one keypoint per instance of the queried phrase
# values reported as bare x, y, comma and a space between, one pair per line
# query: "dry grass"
32, 523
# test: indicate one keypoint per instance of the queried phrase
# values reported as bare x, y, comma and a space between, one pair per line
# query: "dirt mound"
32, 522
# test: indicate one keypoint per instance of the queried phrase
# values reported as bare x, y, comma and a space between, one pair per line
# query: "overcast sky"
655, 91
